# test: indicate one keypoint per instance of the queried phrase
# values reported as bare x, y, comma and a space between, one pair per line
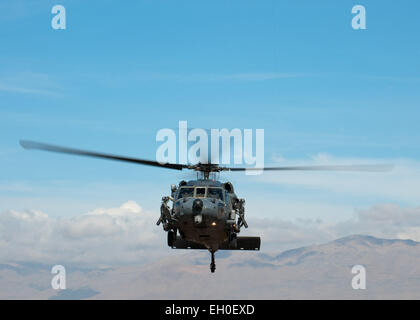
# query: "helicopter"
205, 213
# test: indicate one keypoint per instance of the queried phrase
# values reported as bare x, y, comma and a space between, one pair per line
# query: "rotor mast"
206, 169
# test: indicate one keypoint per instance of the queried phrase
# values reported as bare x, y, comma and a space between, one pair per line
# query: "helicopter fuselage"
206, 214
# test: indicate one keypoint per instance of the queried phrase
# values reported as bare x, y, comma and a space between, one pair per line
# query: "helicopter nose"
197, 206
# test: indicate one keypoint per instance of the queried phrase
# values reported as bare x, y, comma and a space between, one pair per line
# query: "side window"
215, 193
185, 192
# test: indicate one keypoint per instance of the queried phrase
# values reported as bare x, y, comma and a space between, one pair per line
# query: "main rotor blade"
53, 148
364, 168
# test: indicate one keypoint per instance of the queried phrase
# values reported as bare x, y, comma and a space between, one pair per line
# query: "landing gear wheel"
171, 238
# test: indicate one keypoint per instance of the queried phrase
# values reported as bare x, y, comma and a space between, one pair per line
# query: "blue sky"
119, 73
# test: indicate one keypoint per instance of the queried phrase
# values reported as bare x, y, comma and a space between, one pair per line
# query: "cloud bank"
129, 235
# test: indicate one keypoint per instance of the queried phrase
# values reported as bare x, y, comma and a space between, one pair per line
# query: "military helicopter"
206, 213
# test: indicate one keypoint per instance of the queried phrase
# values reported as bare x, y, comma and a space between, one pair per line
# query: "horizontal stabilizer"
240, 243
246, 243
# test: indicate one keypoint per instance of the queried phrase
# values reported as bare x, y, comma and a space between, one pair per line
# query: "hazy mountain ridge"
314, 272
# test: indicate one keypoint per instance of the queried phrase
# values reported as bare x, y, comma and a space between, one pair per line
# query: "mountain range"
322, 271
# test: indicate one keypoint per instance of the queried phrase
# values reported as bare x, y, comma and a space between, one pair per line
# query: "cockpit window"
200, 192
186, 192
216, 193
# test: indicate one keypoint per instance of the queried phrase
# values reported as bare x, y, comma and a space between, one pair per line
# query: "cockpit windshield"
200, 192
215, 193
186, 192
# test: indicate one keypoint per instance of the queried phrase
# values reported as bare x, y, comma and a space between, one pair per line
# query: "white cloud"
384, 221
29, 83
8, 88
389, 221
251, 76
401, 184
129, 235
278, 235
